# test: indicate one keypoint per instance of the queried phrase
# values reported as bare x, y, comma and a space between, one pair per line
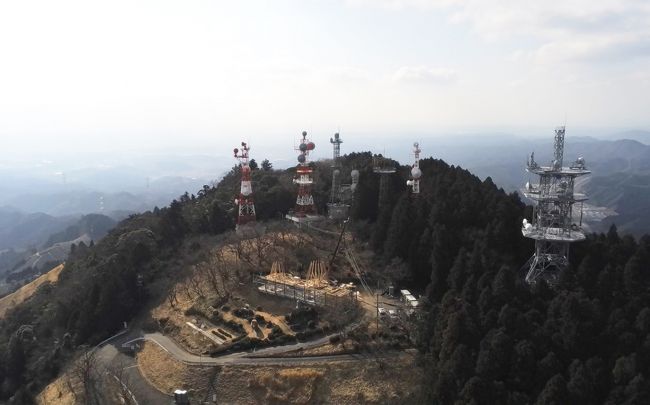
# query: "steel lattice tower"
384, 168
337, 208
416, 173
336, 152
552, 225
246, 212
305, 201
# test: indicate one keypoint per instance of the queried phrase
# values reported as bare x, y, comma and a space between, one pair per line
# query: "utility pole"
338, 244
377, 312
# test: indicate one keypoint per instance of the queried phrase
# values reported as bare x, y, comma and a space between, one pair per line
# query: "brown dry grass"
329, 349
394, 381
292, 385
167, 374
26, 291
57, 392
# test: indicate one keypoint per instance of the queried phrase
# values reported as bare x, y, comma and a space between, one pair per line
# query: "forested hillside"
485, 336
490, 338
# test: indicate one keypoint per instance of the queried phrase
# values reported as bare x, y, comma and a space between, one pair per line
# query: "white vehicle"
382, 311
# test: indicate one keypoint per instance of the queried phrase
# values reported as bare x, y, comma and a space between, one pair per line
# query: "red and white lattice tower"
305, 201
246, 214
416, 173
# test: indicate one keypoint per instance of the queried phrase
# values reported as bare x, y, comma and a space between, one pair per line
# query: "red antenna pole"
305, 201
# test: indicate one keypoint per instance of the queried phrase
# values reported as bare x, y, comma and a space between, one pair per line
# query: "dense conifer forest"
484, 337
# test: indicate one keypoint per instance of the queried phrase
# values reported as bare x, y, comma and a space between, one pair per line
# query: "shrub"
302, 315
244, 313
247, 343
216, 317
192, 311
276, 332
285, 339
236, 326
299, 318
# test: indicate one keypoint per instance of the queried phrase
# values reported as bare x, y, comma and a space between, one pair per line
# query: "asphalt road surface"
111, 354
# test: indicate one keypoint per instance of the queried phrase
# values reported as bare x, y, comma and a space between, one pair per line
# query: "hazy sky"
136, 73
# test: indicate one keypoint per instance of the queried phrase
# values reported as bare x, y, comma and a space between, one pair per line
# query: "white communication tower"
416, 173
552, 226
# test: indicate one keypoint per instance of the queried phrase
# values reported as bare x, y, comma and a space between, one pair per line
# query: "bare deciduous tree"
84, 375
217, 273
195, 283
172, 296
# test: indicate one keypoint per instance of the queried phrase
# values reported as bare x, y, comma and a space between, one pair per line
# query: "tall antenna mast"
336, 149
305, 201
558, 147
552, 225
416, 173
337, 208
384, 167
246, 213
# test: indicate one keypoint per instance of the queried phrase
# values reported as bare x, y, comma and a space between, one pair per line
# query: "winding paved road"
262, 356
110, 357
111, 353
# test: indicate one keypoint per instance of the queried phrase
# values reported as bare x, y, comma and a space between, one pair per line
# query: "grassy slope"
26, 291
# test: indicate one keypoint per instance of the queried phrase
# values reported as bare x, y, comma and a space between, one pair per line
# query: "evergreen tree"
554, 392
266, 165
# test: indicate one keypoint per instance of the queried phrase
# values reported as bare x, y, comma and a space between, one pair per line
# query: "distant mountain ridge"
94, 226
628, 194
21, 230
636, 135
80, 202
47, 248
619, 169
53, 255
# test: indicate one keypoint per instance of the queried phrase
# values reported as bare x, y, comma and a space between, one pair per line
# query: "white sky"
136, 73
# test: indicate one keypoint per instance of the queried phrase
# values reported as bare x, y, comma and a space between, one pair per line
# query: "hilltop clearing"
216, 306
